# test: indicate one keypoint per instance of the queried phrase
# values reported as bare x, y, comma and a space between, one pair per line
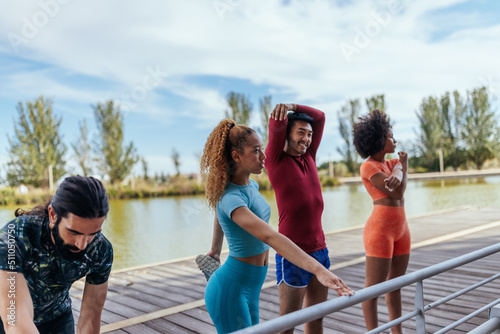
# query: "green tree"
376, 102
240, 108
347, 116
453, 113
481, 132
430, 135
83, 150
114, 159
176, 160
36, 151
145, 168
265, 111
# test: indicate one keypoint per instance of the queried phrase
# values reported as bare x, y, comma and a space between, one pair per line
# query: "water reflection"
152, 230
162, 229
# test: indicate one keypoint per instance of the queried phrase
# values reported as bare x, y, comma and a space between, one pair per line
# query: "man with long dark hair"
45, 250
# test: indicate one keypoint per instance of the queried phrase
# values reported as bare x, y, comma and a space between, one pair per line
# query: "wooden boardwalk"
168, 297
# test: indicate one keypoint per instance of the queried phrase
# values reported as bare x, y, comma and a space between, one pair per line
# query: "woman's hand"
214, 255
332, 281
396, 178
393, 181
403, 158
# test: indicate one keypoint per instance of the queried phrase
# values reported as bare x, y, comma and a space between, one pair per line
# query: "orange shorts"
386, 232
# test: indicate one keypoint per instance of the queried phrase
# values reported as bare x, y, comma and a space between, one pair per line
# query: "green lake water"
161, 229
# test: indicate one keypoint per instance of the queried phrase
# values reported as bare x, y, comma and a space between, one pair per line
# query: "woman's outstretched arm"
284, 246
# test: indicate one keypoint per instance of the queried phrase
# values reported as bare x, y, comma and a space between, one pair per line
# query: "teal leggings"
232, 295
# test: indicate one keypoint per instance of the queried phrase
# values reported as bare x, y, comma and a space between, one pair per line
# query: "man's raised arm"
278, 122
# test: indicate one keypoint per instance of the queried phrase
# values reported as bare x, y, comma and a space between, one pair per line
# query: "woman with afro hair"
386, 235
231, 154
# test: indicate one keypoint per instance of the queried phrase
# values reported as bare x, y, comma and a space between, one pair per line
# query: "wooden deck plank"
143, 329
165, 326
191, 323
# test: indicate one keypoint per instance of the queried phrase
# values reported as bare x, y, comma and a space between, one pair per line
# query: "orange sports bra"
371, 167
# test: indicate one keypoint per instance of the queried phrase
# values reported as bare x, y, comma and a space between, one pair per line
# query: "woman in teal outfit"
231, 154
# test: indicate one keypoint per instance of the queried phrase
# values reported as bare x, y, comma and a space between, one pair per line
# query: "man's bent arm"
277, 134
16, 306
93, 300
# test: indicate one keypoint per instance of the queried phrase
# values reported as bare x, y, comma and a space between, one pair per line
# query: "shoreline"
433, 175
9, 196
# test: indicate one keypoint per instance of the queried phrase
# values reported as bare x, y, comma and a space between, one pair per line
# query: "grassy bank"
12, 196
176, 186
138, 189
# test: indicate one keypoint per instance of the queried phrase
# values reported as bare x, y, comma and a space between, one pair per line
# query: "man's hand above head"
281, 110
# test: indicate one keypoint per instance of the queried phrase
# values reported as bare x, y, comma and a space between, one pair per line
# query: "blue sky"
170, 64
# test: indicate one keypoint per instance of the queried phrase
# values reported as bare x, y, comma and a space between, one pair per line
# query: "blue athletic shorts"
295, 276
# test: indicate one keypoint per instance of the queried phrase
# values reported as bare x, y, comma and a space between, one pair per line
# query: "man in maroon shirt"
291, 166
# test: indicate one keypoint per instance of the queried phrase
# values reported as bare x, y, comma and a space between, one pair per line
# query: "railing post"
419, 305
495, 312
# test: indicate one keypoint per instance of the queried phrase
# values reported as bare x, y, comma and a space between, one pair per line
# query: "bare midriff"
257, 260
387, 201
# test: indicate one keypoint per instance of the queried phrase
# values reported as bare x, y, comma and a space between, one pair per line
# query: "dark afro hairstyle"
370, 133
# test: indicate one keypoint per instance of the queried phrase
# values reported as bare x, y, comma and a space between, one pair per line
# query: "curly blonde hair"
216, 160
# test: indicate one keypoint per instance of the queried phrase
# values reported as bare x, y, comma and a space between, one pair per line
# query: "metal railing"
492, 325
321, 310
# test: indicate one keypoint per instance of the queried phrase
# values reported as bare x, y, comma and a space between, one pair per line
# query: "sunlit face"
390, 143
72, 235
252, 157
299, 139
